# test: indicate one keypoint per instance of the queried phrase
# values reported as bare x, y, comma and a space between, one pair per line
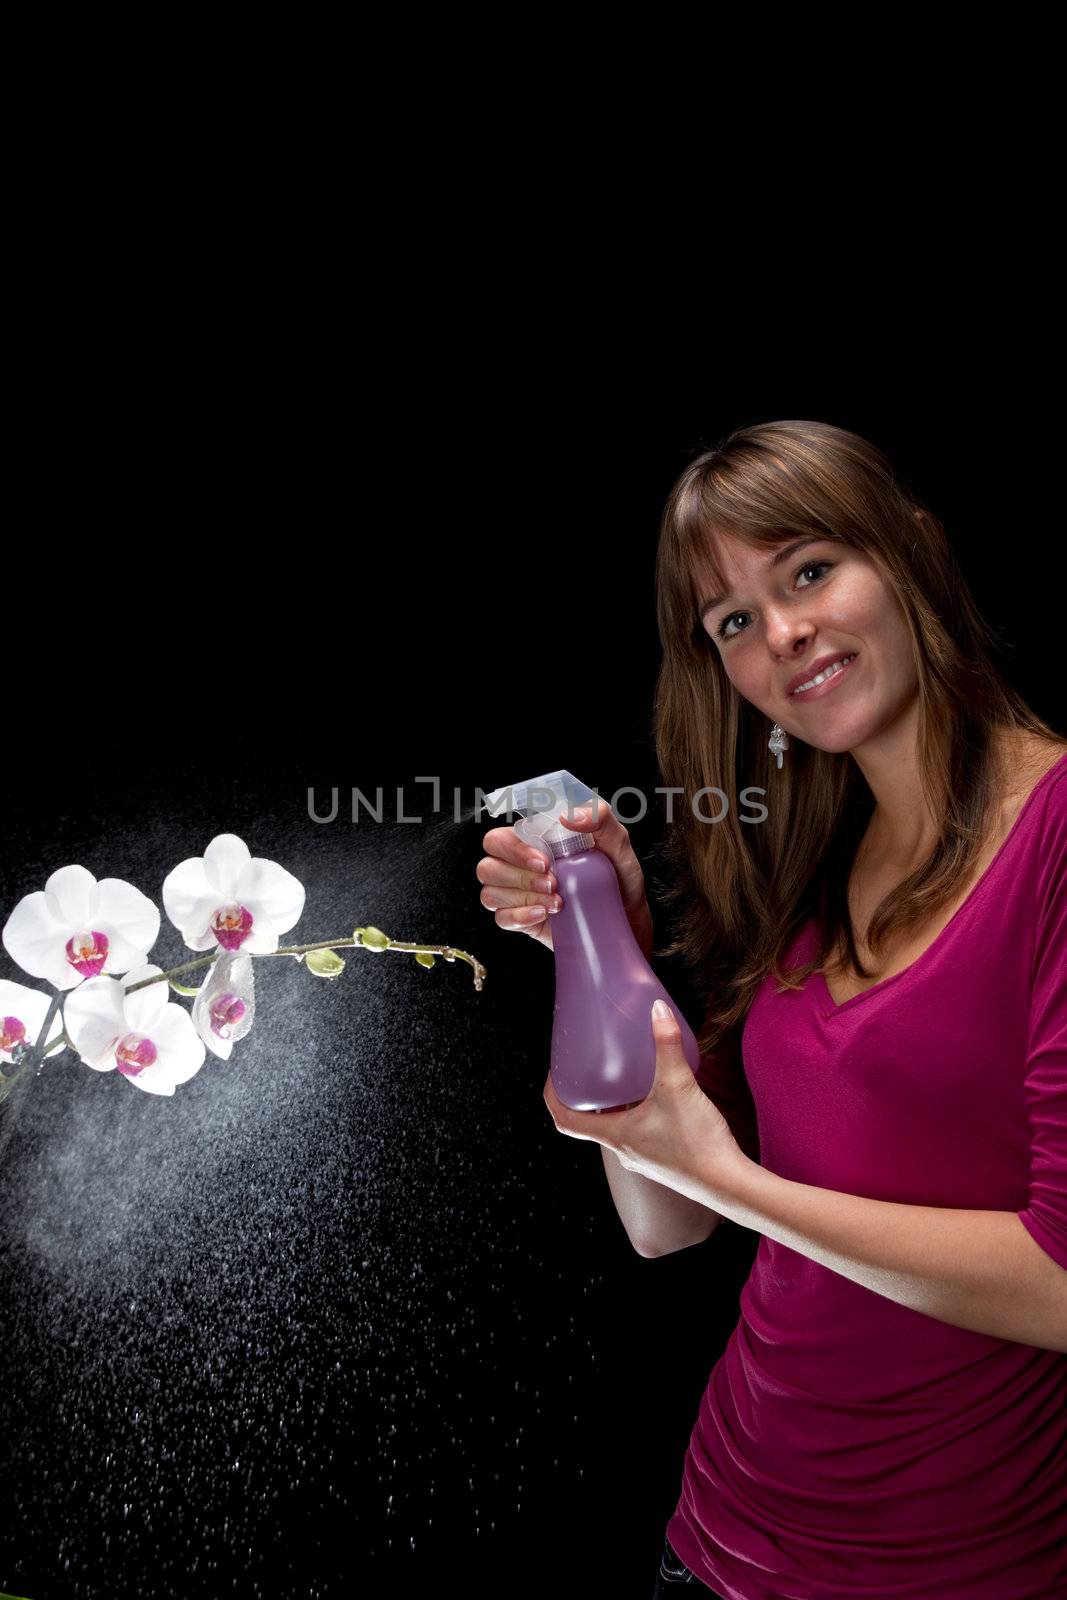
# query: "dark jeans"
673, 1571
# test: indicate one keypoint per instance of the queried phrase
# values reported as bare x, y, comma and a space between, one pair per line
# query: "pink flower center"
226, 1012
12, 1032
133, 1053
231, 926
87, 952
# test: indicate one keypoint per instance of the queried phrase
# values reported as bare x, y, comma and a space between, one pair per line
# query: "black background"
348, 1315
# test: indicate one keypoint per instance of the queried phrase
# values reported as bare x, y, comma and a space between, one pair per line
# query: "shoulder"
1048, 824
1029, 760
1032, 784
1053, 767
1027, 756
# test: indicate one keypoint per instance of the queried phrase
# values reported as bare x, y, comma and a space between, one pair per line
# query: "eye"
809, 566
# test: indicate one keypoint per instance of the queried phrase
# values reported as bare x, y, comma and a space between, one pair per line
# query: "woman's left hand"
676, 1135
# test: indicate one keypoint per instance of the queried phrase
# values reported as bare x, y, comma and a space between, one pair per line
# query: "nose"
786, 635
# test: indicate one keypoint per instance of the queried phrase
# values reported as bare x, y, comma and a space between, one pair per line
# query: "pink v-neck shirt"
847, 1446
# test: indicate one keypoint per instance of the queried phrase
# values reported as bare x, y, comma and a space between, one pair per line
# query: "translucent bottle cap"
540, 800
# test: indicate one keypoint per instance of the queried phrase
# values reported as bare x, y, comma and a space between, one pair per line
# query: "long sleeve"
1046, 1059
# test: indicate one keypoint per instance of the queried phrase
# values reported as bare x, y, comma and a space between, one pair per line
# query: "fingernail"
662, 1011
581, 816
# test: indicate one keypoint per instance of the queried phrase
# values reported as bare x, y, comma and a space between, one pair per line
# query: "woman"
883, 960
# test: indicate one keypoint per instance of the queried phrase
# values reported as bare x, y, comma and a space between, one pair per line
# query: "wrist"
730, 1179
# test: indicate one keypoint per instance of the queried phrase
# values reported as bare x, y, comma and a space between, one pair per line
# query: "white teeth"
830, 672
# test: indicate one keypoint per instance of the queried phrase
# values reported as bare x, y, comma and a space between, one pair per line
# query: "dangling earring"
778, 741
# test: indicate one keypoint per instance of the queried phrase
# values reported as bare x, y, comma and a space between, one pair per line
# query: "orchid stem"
446, 951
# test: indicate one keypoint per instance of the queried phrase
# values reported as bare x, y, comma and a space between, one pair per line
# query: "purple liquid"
603, 1048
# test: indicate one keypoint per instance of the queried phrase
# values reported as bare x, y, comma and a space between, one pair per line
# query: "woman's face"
822, 600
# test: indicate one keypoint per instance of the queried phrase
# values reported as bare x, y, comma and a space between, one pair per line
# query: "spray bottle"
603, 1047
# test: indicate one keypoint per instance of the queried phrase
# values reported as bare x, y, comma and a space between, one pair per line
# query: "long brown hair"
744, 891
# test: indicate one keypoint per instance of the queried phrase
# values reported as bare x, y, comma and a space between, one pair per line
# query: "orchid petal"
225, 859
272, 894
233, 974
181, 1049
154, 1080
34, 938
31, 1006
71, 895
188, 897
94, 1019
128, 917
145, 1006
181, 1053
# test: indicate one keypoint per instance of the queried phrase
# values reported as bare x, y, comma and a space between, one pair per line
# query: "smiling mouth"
833, 671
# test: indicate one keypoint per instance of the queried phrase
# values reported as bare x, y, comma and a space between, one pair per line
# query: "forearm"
658, 1220
979, 1270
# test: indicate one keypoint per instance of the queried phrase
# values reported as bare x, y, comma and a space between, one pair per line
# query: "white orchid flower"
22, 1014
230, 898
225, 1007
143, 1035
76, 928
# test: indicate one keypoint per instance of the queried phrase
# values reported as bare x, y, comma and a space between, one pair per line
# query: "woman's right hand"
521, 888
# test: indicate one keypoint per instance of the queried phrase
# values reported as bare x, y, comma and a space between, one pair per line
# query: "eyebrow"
775, 561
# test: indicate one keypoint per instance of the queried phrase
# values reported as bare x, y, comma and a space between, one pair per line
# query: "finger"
505, 844
496, 899
590, 817
579, 1124
502, 875
524, 919
670, 1056
614, 839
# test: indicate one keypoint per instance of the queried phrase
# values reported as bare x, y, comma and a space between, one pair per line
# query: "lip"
814, 669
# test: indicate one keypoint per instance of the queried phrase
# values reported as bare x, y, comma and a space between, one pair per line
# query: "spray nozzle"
540, 800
